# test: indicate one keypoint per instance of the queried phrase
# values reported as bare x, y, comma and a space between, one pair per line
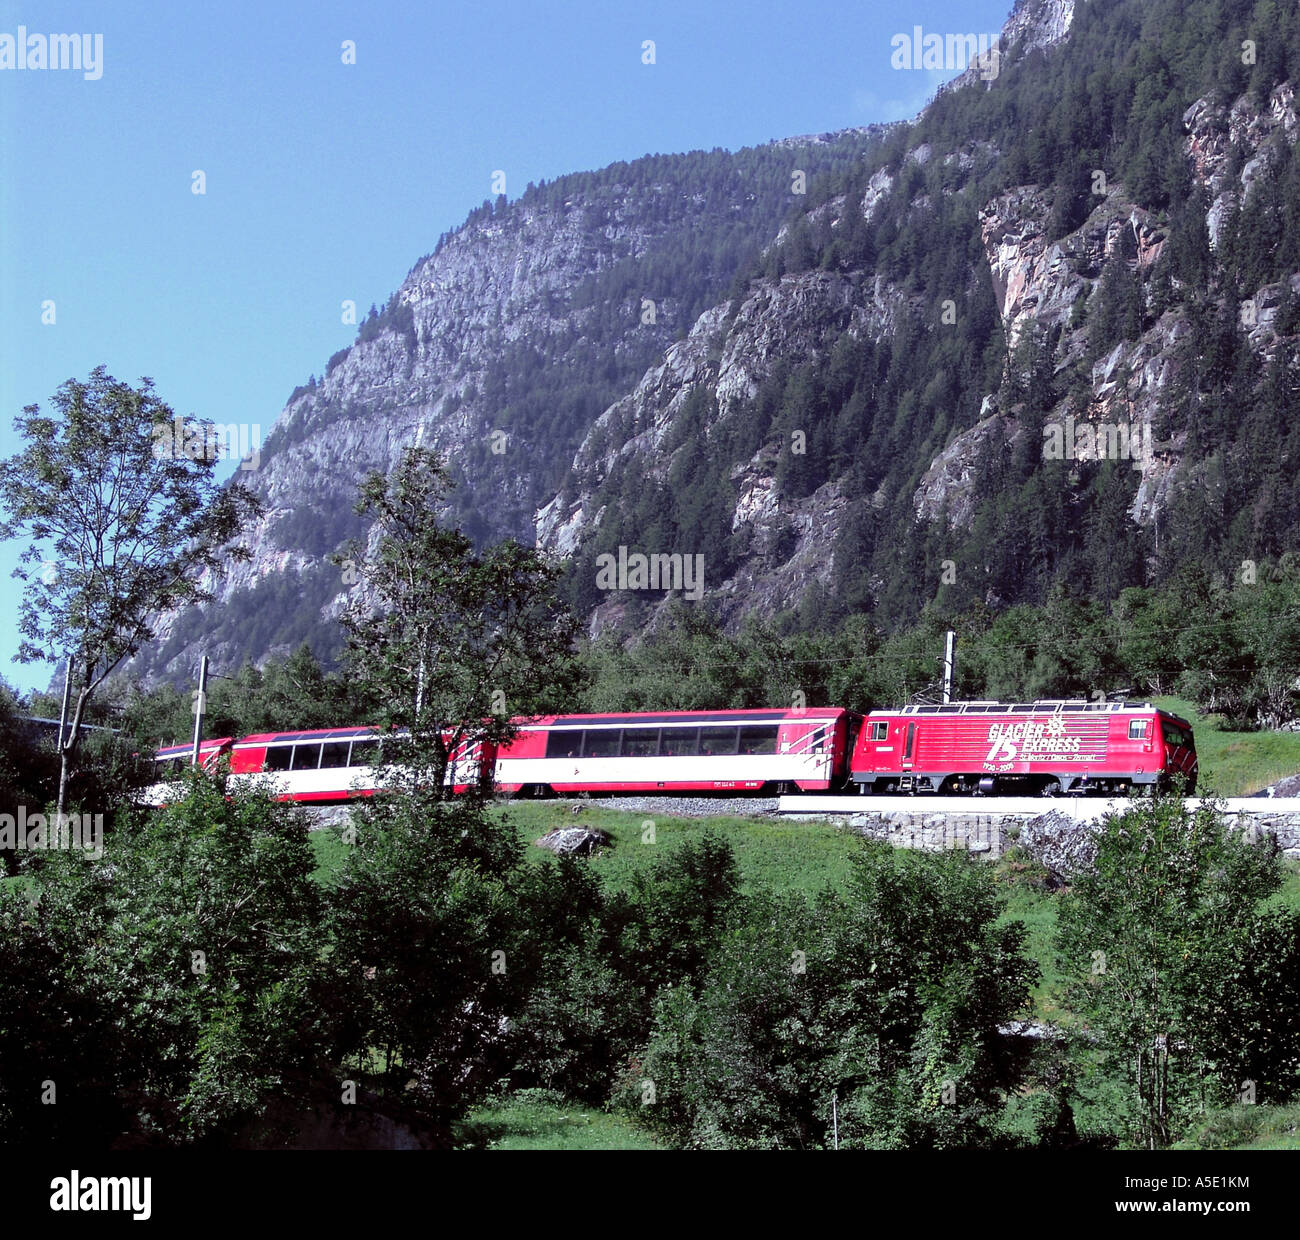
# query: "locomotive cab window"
1137, 729
879, 731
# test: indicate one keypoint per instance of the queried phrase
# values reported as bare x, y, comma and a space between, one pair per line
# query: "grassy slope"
536, 1119
1236, 764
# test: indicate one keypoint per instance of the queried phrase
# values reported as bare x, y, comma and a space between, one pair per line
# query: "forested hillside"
1107, 234
1042, 340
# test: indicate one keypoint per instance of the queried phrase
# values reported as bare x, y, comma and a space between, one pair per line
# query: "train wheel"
1051, 788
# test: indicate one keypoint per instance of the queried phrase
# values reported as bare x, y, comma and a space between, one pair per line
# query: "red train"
325, 764
664, 751
1027, 748
680, 751
987, 748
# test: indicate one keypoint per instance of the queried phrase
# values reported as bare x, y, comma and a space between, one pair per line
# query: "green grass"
1236, 764
786, 856
330, 852
1029, 902
536, 1119
1246, 1128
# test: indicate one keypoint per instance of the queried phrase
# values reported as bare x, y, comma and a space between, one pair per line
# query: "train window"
335, 753
564, 743
278, 757
1137, 729
601, 742
679, 742
716, 741
640, 742
364, 753
758, 739
879, 731
306, 757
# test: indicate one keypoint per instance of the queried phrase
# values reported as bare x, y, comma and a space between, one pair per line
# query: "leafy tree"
1149, 937
173, 997
124, 522
424, 968
883, 1000
449, 642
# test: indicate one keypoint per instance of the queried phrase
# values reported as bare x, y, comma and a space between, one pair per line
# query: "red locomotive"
1027, 748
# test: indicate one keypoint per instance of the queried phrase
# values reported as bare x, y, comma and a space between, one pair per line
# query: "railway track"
1082, 808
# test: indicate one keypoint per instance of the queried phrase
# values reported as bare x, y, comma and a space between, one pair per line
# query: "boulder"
574, 841
1065, 845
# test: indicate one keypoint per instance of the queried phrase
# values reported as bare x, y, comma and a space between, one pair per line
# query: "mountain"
1046, 332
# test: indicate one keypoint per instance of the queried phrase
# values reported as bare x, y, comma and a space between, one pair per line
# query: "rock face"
566, 282
1066, 846
576, 278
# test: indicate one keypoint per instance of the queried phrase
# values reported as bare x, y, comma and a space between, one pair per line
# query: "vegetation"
123, 516
1175, 972
449, 644
1228, 648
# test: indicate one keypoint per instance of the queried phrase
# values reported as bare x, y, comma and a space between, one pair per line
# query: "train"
1048, 747
1041, 748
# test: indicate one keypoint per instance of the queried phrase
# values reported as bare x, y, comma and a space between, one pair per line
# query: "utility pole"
949, 640
200, 706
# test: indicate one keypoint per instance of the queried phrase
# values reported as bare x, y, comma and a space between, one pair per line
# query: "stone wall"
991, 834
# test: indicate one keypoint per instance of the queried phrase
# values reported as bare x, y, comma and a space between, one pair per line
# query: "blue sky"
326, 181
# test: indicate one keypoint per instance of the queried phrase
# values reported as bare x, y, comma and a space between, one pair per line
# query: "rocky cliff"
818, 390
